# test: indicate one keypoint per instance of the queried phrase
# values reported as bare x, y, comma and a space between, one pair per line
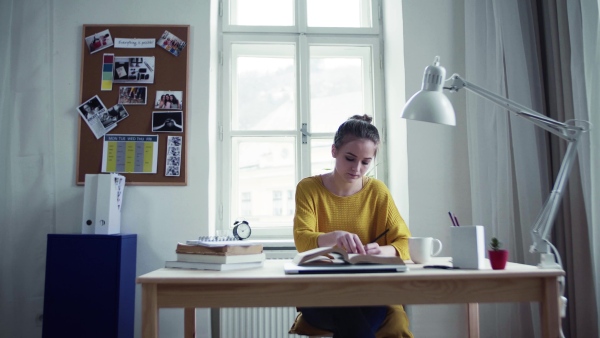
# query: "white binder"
89, 204
103, 197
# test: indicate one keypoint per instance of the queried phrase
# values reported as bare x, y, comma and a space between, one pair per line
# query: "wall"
161, 216
438, 172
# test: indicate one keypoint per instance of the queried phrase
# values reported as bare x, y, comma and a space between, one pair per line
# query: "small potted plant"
498, 257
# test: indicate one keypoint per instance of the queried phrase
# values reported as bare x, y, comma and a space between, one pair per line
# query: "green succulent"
495, 244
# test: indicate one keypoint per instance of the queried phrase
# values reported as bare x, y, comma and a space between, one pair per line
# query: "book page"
338, 255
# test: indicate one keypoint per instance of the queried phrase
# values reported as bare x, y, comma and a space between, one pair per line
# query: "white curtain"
27, 161
590, 12
507, 52
506, 193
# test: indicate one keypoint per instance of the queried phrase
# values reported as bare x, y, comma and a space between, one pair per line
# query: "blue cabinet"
90, 286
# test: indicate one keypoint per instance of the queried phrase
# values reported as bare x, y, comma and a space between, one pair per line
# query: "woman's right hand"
344, 239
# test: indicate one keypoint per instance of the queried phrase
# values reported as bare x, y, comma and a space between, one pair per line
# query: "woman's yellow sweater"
367, 213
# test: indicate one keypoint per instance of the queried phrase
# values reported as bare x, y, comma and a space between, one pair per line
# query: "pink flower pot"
498, 258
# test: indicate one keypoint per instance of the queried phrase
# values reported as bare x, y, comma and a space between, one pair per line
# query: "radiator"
272, 322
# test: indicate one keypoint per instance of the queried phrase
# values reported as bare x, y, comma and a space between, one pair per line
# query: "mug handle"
439, 248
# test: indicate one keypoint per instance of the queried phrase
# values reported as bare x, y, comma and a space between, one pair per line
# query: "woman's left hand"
372, 249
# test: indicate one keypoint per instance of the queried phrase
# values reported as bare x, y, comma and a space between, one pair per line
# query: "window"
292, 71
277, 203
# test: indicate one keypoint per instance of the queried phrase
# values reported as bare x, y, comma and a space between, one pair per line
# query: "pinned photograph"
133, 95
114, 115
168, 100
134, 69
93, 111
171, 43
174, 141
99, 41
173, 161
167, 122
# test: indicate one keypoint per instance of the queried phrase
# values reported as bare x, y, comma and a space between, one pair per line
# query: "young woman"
161, 104
345, 208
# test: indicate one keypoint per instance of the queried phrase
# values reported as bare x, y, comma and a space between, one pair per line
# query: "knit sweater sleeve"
305, 218
399, 230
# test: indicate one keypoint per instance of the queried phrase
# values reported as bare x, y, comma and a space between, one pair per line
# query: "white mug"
421, 249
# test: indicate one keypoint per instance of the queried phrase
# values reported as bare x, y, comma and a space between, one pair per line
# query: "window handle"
305, 133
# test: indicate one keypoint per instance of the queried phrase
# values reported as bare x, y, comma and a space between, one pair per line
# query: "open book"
337, 255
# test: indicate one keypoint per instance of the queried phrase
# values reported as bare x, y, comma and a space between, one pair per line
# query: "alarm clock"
241, 230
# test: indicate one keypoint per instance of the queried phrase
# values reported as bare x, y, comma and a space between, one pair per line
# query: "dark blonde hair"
356, 127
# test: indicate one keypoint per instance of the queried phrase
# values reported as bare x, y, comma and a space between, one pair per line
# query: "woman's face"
172, 97
353, 159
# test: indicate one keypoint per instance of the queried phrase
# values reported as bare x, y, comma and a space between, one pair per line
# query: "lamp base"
547, 261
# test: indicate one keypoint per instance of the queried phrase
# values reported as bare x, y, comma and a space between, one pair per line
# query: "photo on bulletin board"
167, 122
134, 69
93, 112
114, 115
133, 95
168, 100
171, 43
99, 41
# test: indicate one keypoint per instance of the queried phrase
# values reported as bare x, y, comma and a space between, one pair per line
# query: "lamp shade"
430, 104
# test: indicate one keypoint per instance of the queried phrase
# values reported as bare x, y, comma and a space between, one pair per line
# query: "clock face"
242, 230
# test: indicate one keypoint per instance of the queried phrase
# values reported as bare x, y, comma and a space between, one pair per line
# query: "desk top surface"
272, 272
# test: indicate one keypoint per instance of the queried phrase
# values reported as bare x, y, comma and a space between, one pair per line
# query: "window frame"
302, 37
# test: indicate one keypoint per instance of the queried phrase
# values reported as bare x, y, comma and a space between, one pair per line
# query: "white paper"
134, 43
124, 153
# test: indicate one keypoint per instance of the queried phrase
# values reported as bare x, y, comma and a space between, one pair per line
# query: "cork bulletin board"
150, 72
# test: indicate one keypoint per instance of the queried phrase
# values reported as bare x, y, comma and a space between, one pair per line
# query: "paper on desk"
216, 243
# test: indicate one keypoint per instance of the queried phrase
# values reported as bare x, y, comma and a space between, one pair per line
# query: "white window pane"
339, 13
340, 86
264, 87
262, 12
262, 169
321, 161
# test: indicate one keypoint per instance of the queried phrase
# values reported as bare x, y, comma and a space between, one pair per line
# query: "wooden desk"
270, 287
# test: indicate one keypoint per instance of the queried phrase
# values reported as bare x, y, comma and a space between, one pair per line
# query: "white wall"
161, 216
438, 172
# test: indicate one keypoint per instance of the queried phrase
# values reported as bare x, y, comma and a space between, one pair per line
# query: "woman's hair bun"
364, 117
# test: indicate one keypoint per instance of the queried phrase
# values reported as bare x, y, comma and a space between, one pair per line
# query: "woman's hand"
373, 249
344, 239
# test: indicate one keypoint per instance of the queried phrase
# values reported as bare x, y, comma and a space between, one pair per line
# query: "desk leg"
189, 322
149, 311
550, 309
473, 320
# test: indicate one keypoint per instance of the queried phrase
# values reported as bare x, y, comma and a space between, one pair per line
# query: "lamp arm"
545, 220
571, 133
560, 129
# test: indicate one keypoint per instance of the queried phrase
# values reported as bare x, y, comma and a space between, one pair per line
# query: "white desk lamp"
431, 105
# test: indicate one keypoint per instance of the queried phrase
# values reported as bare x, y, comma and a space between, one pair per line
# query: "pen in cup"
456, 220
452, 219
381, 235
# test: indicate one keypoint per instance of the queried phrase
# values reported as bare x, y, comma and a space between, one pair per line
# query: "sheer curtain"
27, 162
517, 49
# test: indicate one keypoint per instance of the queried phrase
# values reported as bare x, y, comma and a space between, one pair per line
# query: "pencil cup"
468, 246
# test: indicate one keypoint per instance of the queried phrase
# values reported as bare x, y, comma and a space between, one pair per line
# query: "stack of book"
220, 256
